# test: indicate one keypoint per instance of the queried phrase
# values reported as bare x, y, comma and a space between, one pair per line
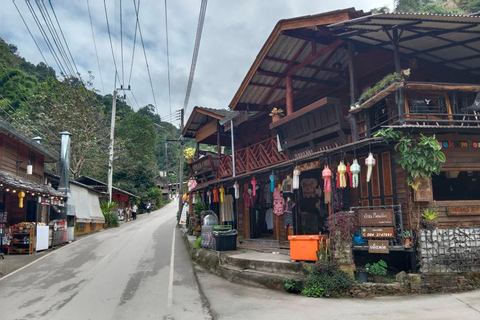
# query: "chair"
474, 108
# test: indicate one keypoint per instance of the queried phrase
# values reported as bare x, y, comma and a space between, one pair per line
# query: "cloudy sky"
234, 32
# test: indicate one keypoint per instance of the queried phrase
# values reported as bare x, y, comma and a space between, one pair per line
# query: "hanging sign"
464, 210
376, 218
377, 232
309, 166
424, 192
378, 246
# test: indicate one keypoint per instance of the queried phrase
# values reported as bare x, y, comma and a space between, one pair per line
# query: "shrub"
106, 208
198, 243
377, 269
291, 285
325, 279
113, 221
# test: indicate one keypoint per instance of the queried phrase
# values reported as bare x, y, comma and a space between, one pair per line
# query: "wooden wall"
12, 151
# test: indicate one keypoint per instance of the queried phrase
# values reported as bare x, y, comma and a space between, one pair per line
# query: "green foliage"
291, 285
198, 208
420, 156
430, 214
198, 243
405, 234
382, 84
325, 279
342, 224
384, 9
323, 253
111, 219
428, 6
377, 268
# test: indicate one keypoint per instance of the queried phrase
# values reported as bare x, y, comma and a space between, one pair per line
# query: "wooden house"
315, 69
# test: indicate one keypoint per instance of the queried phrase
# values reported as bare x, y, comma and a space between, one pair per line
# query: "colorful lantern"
327, 185
215, 194
296, 178
349, 174
21, 195
355, 168
209, 196
342, 179
370, 163
272, 182
222, 193
237, 190
254, 185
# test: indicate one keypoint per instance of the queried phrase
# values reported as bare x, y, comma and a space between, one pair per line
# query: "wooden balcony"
204, 169
428, 106
37, 178
315, 127
254, 157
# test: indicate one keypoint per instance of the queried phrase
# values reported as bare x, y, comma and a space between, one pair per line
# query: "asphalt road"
121, 273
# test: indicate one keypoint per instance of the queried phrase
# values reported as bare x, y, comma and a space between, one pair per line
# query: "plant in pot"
407, 238
378, 270
430, 218
362, 275
276, 114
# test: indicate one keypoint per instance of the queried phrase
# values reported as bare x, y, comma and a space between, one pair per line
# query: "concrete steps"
264, 262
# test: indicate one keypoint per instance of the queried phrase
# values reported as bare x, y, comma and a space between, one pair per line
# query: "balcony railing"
37, 178
257, 156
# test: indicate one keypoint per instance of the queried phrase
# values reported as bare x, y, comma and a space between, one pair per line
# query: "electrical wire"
121, 41
95, 45
31, 35
134, 43
168, 58
134, 98
145, 54
201, 19
111, 45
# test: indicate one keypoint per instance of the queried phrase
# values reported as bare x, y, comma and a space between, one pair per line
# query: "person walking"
134, 211
149, 207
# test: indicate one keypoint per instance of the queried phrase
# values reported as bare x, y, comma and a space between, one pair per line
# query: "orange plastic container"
304, 248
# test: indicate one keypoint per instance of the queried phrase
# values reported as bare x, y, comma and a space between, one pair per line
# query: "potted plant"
362, 275
430, 218
406, 236
378, 270
276, 114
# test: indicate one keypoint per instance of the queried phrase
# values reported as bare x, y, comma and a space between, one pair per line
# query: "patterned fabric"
308, 187
296, 178
278, 203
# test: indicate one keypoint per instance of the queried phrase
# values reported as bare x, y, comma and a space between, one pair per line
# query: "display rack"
23, 242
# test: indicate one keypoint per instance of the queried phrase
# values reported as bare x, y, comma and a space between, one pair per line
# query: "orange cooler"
304, 248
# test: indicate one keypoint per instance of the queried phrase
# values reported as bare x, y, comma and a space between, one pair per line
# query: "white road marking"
170, 280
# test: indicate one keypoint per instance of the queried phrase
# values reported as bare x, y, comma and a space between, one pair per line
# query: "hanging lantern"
296, 178
342, 179
222, 193
272, 178
29, 169
355, 169
215, 194
237, 190
327, 184
254, 185
370, 163
21, 195
209, 196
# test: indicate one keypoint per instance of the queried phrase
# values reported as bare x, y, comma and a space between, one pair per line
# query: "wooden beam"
298, 78
206, 131
289, 96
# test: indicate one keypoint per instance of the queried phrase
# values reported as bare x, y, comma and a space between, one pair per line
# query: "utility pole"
182, 156
166, 166
112, 142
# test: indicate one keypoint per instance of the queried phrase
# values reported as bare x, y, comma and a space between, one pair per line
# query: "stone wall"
454, 250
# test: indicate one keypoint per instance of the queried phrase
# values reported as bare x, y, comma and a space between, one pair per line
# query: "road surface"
120, 273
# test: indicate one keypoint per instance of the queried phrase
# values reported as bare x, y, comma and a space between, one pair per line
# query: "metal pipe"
233, 148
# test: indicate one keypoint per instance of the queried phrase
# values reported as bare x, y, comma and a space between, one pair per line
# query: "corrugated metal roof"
199, 117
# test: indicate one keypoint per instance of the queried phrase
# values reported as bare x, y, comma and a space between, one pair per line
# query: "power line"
201, 19
121, 41
134, 43
145, 54
168, 58
134, 98
95, 45
36, 44
111, 45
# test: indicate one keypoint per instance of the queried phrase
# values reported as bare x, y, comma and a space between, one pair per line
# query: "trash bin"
304, 248
225, 240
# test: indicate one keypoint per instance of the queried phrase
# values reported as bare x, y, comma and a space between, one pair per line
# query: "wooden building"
320, 71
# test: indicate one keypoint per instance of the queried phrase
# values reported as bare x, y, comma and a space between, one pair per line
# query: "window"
456, 185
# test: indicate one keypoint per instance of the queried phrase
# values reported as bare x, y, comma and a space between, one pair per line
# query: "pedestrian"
149, 207
134, 211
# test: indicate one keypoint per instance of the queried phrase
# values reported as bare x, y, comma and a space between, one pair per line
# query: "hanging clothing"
296, 178
226, 209
215, 194
267, 194
308, 187
246, 199
192, 183
278, 203
289, 213
209, 195
269, 219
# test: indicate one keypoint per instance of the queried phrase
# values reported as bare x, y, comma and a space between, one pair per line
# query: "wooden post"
219, 148
289, 95
399, 98
352, 117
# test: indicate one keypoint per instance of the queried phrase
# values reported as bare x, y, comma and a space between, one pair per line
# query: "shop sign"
464, 210
460, 144
424, 192
45, 201
376, 218
309, 166
377, 232
378, 246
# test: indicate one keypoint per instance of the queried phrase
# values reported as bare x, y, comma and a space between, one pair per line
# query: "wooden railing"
37, 178
257, 156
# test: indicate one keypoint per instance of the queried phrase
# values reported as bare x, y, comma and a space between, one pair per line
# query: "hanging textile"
246, 199
226, 209
309, 187
272, 178
349, 174
355, 168
289, 213
237, 191
209, 195
278, 203
192, 183
327, 186
296, 178
269, 218
222, 193
254, 186
194, 198
267, 194
215, 194
342, 179
370, 163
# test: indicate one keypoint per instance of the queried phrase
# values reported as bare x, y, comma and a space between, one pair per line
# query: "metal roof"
452, 40
201, 116
93, 182
16, 182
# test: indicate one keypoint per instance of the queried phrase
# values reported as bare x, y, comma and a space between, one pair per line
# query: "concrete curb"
216, 262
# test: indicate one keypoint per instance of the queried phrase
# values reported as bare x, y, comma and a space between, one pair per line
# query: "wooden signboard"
309, 166
424, 193
464, 210
376, 218
378, 246
378, 232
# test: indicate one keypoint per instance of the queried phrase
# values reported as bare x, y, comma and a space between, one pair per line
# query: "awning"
87, 204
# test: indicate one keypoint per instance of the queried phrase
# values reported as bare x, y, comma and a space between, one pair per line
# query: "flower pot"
362, 276
430, 225
275, 118
189, 160
408, 243
379, 279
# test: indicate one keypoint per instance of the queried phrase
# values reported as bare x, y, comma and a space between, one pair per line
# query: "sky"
233, 34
